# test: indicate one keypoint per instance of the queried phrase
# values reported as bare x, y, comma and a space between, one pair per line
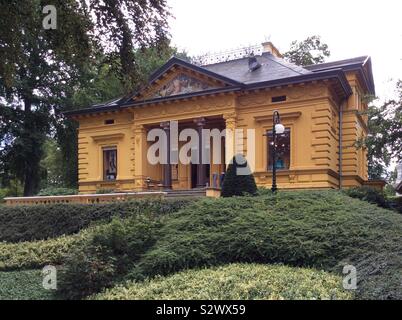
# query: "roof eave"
316, 76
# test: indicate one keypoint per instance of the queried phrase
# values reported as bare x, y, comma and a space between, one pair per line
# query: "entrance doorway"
194, 175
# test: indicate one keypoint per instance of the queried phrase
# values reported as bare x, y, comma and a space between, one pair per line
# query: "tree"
238, 179
384, 141
36, 65
129, 26
307, 52
40, 70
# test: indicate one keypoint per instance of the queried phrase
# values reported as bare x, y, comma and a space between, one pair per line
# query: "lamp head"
279, 128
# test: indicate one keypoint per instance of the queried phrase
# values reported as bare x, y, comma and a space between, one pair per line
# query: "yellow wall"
311, 111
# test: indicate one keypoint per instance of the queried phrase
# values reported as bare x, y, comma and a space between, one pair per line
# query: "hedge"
235, 282
23, 285
320, 229
39, 222
36, 254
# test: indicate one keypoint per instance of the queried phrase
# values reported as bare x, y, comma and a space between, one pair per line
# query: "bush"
26, 255
396, 203
234, 282
107, 256
321, 229
368, 194
235, 184
53, 191
29, 223
23, 285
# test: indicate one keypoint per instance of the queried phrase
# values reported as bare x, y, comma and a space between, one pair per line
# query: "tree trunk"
31, 169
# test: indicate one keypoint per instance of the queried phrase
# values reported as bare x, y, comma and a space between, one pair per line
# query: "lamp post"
277, 128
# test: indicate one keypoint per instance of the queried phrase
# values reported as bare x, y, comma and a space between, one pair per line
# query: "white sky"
351, 28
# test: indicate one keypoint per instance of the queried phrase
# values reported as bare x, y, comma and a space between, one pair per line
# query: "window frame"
104, 169
269, 167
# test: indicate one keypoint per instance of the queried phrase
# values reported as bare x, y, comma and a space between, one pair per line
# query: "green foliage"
107, 256
396, 203
54, 191
23, 285
235, 282
28, 223
236, 183
36, 254
368, 194
52, 164
105, 191
384, 141
322, 229
307, 52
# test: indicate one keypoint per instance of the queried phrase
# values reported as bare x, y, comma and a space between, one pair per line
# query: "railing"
83, 198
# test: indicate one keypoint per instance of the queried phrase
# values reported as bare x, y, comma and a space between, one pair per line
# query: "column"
167, 170
140, 156
201, 168
230, 121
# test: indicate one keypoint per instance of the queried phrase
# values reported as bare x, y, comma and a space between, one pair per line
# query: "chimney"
253, 63
269, 47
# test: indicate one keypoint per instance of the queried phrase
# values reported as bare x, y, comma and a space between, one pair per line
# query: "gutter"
340, 143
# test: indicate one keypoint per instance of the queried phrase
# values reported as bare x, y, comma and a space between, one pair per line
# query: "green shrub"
26, 255
235, 184
108, 255
54, 191
29, 223
234, 282
23, 285
105, 191
396, 203
321, 229
368, 194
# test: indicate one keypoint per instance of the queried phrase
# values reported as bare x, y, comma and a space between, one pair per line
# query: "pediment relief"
181, 83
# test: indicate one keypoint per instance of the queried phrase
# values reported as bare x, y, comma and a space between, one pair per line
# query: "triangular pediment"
178, 78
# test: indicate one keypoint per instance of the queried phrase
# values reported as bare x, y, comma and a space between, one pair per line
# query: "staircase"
191, 193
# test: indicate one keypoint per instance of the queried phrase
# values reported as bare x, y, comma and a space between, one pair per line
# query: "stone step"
186, 193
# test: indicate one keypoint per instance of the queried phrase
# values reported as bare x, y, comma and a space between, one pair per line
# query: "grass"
23, 285
235, 282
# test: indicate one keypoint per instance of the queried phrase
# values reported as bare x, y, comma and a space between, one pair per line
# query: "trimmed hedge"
320, 229
235, 282
36, 254
368, 194
55, 191
23, 285
39, 222
236, 181
107, 256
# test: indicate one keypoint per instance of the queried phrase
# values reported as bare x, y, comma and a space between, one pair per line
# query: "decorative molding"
104, 137
284, 116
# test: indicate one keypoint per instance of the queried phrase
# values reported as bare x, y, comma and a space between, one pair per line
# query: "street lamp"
277, 128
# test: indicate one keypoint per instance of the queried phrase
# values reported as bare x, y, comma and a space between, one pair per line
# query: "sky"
351, 28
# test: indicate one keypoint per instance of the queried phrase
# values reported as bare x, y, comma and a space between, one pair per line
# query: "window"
109, 121
175, 172
109, 164
278, 99
282, 150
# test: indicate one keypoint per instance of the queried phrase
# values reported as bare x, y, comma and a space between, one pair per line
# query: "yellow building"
321, 106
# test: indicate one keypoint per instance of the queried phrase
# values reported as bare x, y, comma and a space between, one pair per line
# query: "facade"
321, 106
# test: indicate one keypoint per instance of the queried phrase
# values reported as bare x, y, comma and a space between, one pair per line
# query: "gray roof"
338, 64
237, 76
272, 68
